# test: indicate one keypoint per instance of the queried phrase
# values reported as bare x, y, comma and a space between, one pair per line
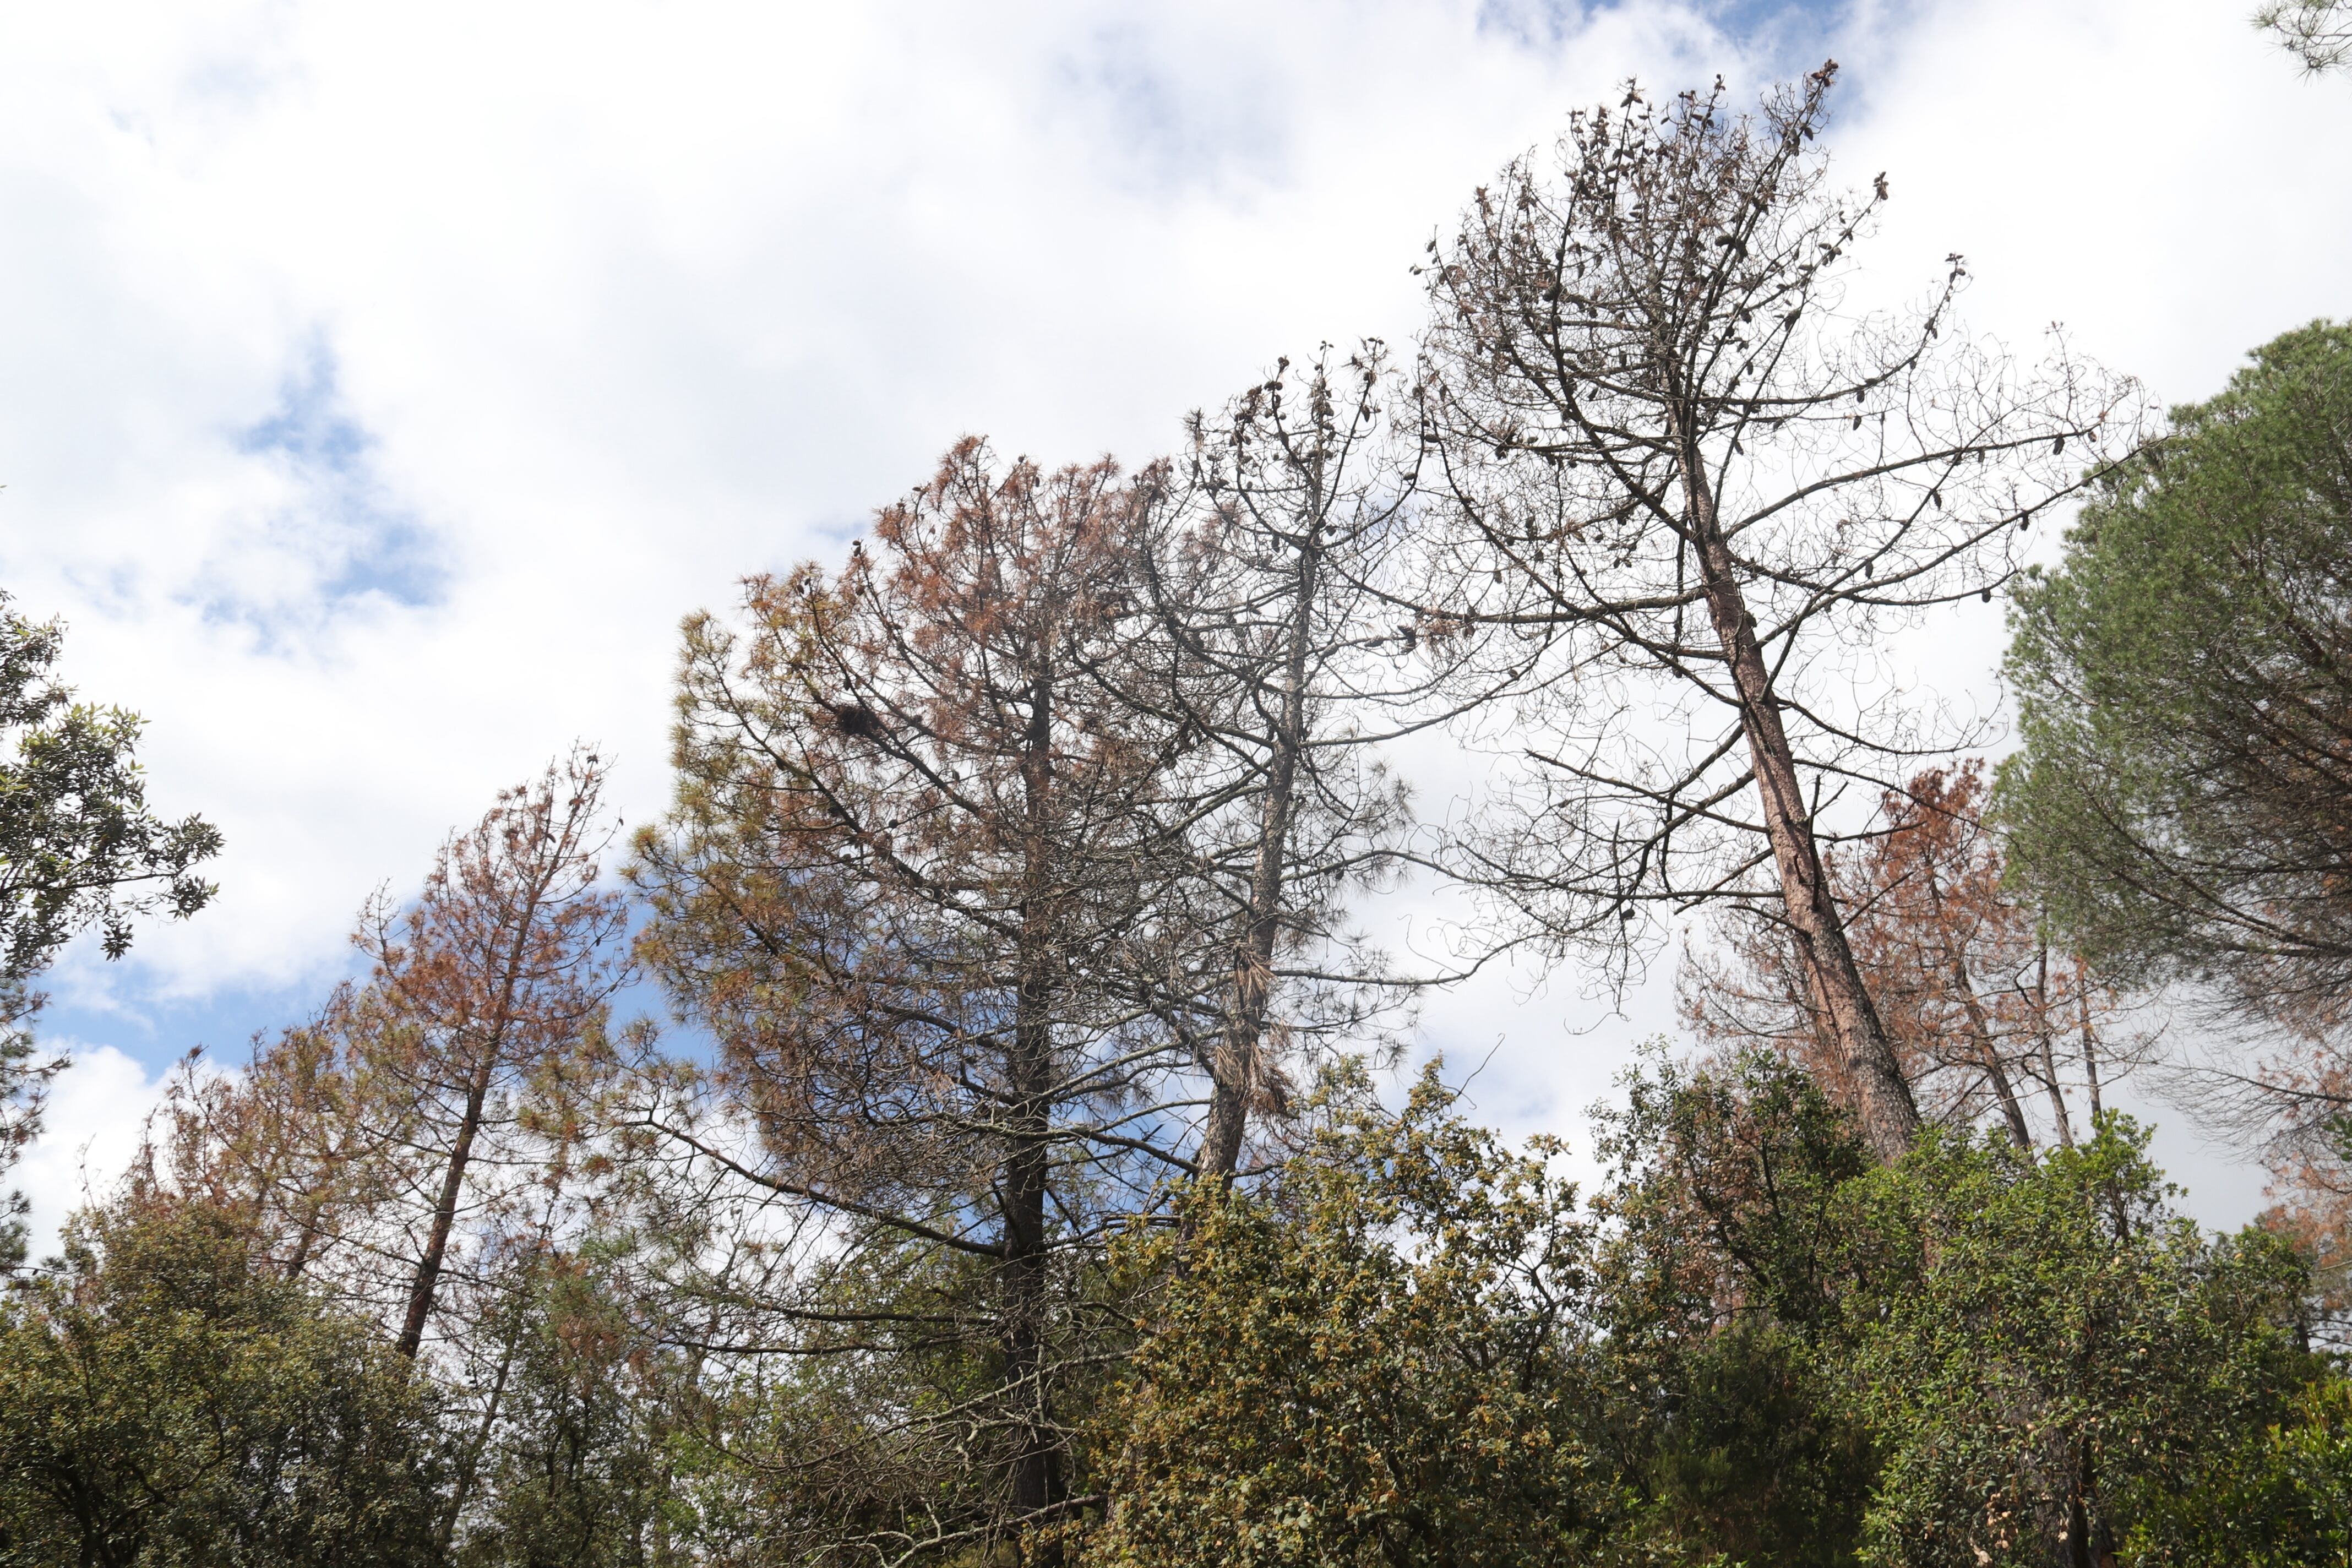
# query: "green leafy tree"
78, 848
2282, 1498
1980, 1355
2183, 802
167, 1403
2046, 1351
2183, 807
1375, 1363
575, 1467
1719, 1288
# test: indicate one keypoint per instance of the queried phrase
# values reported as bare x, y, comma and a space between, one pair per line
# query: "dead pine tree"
2318, 33
489, 983
1956, 962
920, 839
1921, 906
1676, 457
433, 1108
287, 1145
1275, 575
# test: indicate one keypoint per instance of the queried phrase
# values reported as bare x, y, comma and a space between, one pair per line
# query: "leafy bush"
166, 1404
1376, 1363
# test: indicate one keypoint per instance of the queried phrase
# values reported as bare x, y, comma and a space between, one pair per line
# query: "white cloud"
97, 1112
384, 383
620, 302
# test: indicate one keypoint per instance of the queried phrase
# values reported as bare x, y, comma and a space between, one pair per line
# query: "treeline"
1012, 1184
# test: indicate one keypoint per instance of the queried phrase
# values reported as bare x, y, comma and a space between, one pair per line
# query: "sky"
380, 386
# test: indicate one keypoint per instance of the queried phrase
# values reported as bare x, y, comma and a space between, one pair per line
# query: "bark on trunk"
1234, 1069
427, 1279
311, 1208
1890, 1119
2090, 1042
453, 1180
1036, 1464
2081, 1550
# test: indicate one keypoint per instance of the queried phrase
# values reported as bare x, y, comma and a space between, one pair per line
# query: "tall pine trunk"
1036, 1465
1890, 1119
1235, 1068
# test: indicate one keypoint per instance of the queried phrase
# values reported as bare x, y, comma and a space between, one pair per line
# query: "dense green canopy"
167, 1404
2183, 804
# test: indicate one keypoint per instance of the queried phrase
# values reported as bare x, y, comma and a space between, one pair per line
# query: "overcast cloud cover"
378, 385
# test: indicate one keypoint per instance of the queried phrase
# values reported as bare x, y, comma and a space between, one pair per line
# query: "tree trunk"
1234, 1069
313, 1203
2078, 1544
1036, 1468
1890, 1119
1980, 1027
453, 1180
462, 1488
1036, 1464
445, 1210
2090, 1042
2050, 1056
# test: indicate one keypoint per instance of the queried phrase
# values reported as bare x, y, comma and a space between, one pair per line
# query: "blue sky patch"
350, 535
1791, 36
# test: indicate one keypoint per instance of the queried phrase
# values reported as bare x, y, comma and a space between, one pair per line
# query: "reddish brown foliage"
1986, 1021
